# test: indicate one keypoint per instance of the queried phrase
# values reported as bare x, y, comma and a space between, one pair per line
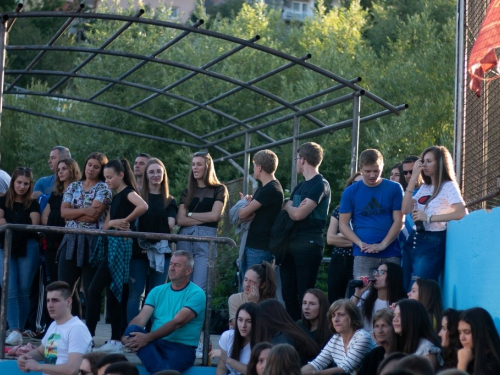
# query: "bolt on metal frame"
298, 107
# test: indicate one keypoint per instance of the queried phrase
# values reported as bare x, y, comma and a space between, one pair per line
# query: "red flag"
482, 57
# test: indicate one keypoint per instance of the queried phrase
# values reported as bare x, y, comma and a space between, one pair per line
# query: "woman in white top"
386, 289
236, 344
414, 333
349, 345
436, 202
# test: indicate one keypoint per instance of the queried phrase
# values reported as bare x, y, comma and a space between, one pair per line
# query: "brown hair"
311, 152
283, 359
267, 159
369, 157
74, 171
323, 334
94, 358
209, 178
352, 311
11, 193
266, 275
164, 192
60, 286
351, 179
99, 156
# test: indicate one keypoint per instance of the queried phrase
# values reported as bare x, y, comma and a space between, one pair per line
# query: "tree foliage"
403, 50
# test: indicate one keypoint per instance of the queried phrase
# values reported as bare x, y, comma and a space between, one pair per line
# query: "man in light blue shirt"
45, 184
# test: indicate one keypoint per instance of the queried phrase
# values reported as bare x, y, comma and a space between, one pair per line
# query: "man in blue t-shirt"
177, 310
45, 185
308, 207
373, 206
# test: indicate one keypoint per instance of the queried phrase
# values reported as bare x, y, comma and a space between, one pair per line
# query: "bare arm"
139, 340
171, 223
2, 217
408, 202
69, 213
124, 224
197, 218
35, 218
72, 367
247, 211
94, 212
458, 213
45, 214
143, 317
332, 238
345, 229
308, 370
300, 213
225, 360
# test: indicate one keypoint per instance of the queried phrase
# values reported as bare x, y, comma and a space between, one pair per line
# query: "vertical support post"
355, 132
460, 103
5, 290
246, 165
295, 146
3, 51
208, 309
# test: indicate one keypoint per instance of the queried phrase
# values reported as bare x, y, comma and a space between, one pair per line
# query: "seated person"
122, 368
178, 311
66, 340
349, 345
89, 363
108, 360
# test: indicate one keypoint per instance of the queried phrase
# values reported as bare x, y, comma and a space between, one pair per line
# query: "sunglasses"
24, 169
407, 172
201, 153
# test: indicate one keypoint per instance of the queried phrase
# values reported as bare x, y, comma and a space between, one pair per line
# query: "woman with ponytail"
112, 254
259, 284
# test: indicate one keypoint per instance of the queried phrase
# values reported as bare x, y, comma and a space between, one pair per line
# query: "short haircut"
370, 156
416, 364
410, 159
311, 152
60, 286
267, 159
351, 310
63, 152
143, 155
122, 368
111, 358
187, 255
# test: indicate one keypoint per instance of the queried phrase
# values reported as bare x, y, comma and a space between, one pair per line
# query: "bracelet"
409, 191
429, 219
356, 296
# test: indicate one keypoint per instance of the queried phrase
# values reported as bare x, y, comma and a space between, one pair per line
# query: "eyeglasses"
201, 153
298, 158
23, 169
408, 172
379, 272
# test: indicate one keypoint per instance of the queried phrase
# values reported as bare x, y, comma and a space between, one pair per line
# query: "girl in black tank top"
112, 254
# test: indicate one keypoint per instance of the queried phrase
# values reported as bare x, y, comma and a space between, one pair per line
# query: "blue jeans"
162, 355
423, 256
253, 256
139, 269
21, 272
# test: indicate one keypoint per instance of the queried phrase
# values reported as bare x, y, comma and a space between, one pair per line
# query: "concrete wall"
472, 267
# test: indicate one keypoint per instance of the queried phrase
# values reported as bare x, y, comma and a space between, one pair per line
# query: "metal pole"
459, 92
295, 146
356, 118
208, 309
3, 51
246, 166
5, 290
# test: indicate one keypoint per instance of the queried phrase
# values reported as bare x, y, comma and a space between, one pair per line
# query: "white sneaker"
15, 338
199, 350
112, 346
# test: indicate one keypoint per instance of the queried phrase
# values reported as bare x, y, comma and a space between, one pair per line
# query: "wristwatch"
190, 214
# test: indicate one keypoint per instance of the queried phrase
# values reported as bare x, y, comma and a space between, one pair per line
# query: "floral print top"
79, 198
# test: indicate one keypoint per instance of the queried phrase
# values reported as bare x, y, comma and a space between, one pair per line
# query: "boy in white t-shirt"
66, 340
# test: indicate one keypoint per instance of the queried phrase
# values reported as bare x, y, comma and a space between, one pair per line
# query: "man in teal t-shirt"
177, 310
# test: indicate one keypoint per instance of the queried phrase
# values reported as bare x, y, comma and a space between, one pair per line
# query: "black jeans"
299, 272
102, 280
339, 274
71, 273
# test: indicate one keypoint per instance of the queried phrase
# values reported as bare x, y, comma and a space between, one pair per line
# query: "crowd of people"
387, 233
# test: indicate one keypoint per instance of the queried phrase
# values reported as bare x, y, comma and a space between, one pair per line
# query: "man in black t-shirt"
308, 207
262, 209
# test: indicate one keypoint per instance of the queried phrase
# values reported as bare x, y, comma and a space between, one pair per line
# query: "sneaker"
199, 350
15, 338
112, 346
33, 336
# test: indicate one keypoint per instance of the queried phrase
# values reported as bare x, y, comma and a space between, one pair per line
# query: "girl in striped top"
349, 345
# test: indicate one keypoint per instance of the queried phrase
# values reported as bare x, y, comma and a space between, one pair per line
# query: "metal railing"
212, 241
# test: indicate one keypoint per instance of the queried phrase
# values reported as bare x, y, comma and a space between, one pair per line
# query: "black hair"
450, 352
111, 358
254, 356
123, 166
238, 341
323, 333
395, 289
61, 286
410, 159
143, 155
122, 368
